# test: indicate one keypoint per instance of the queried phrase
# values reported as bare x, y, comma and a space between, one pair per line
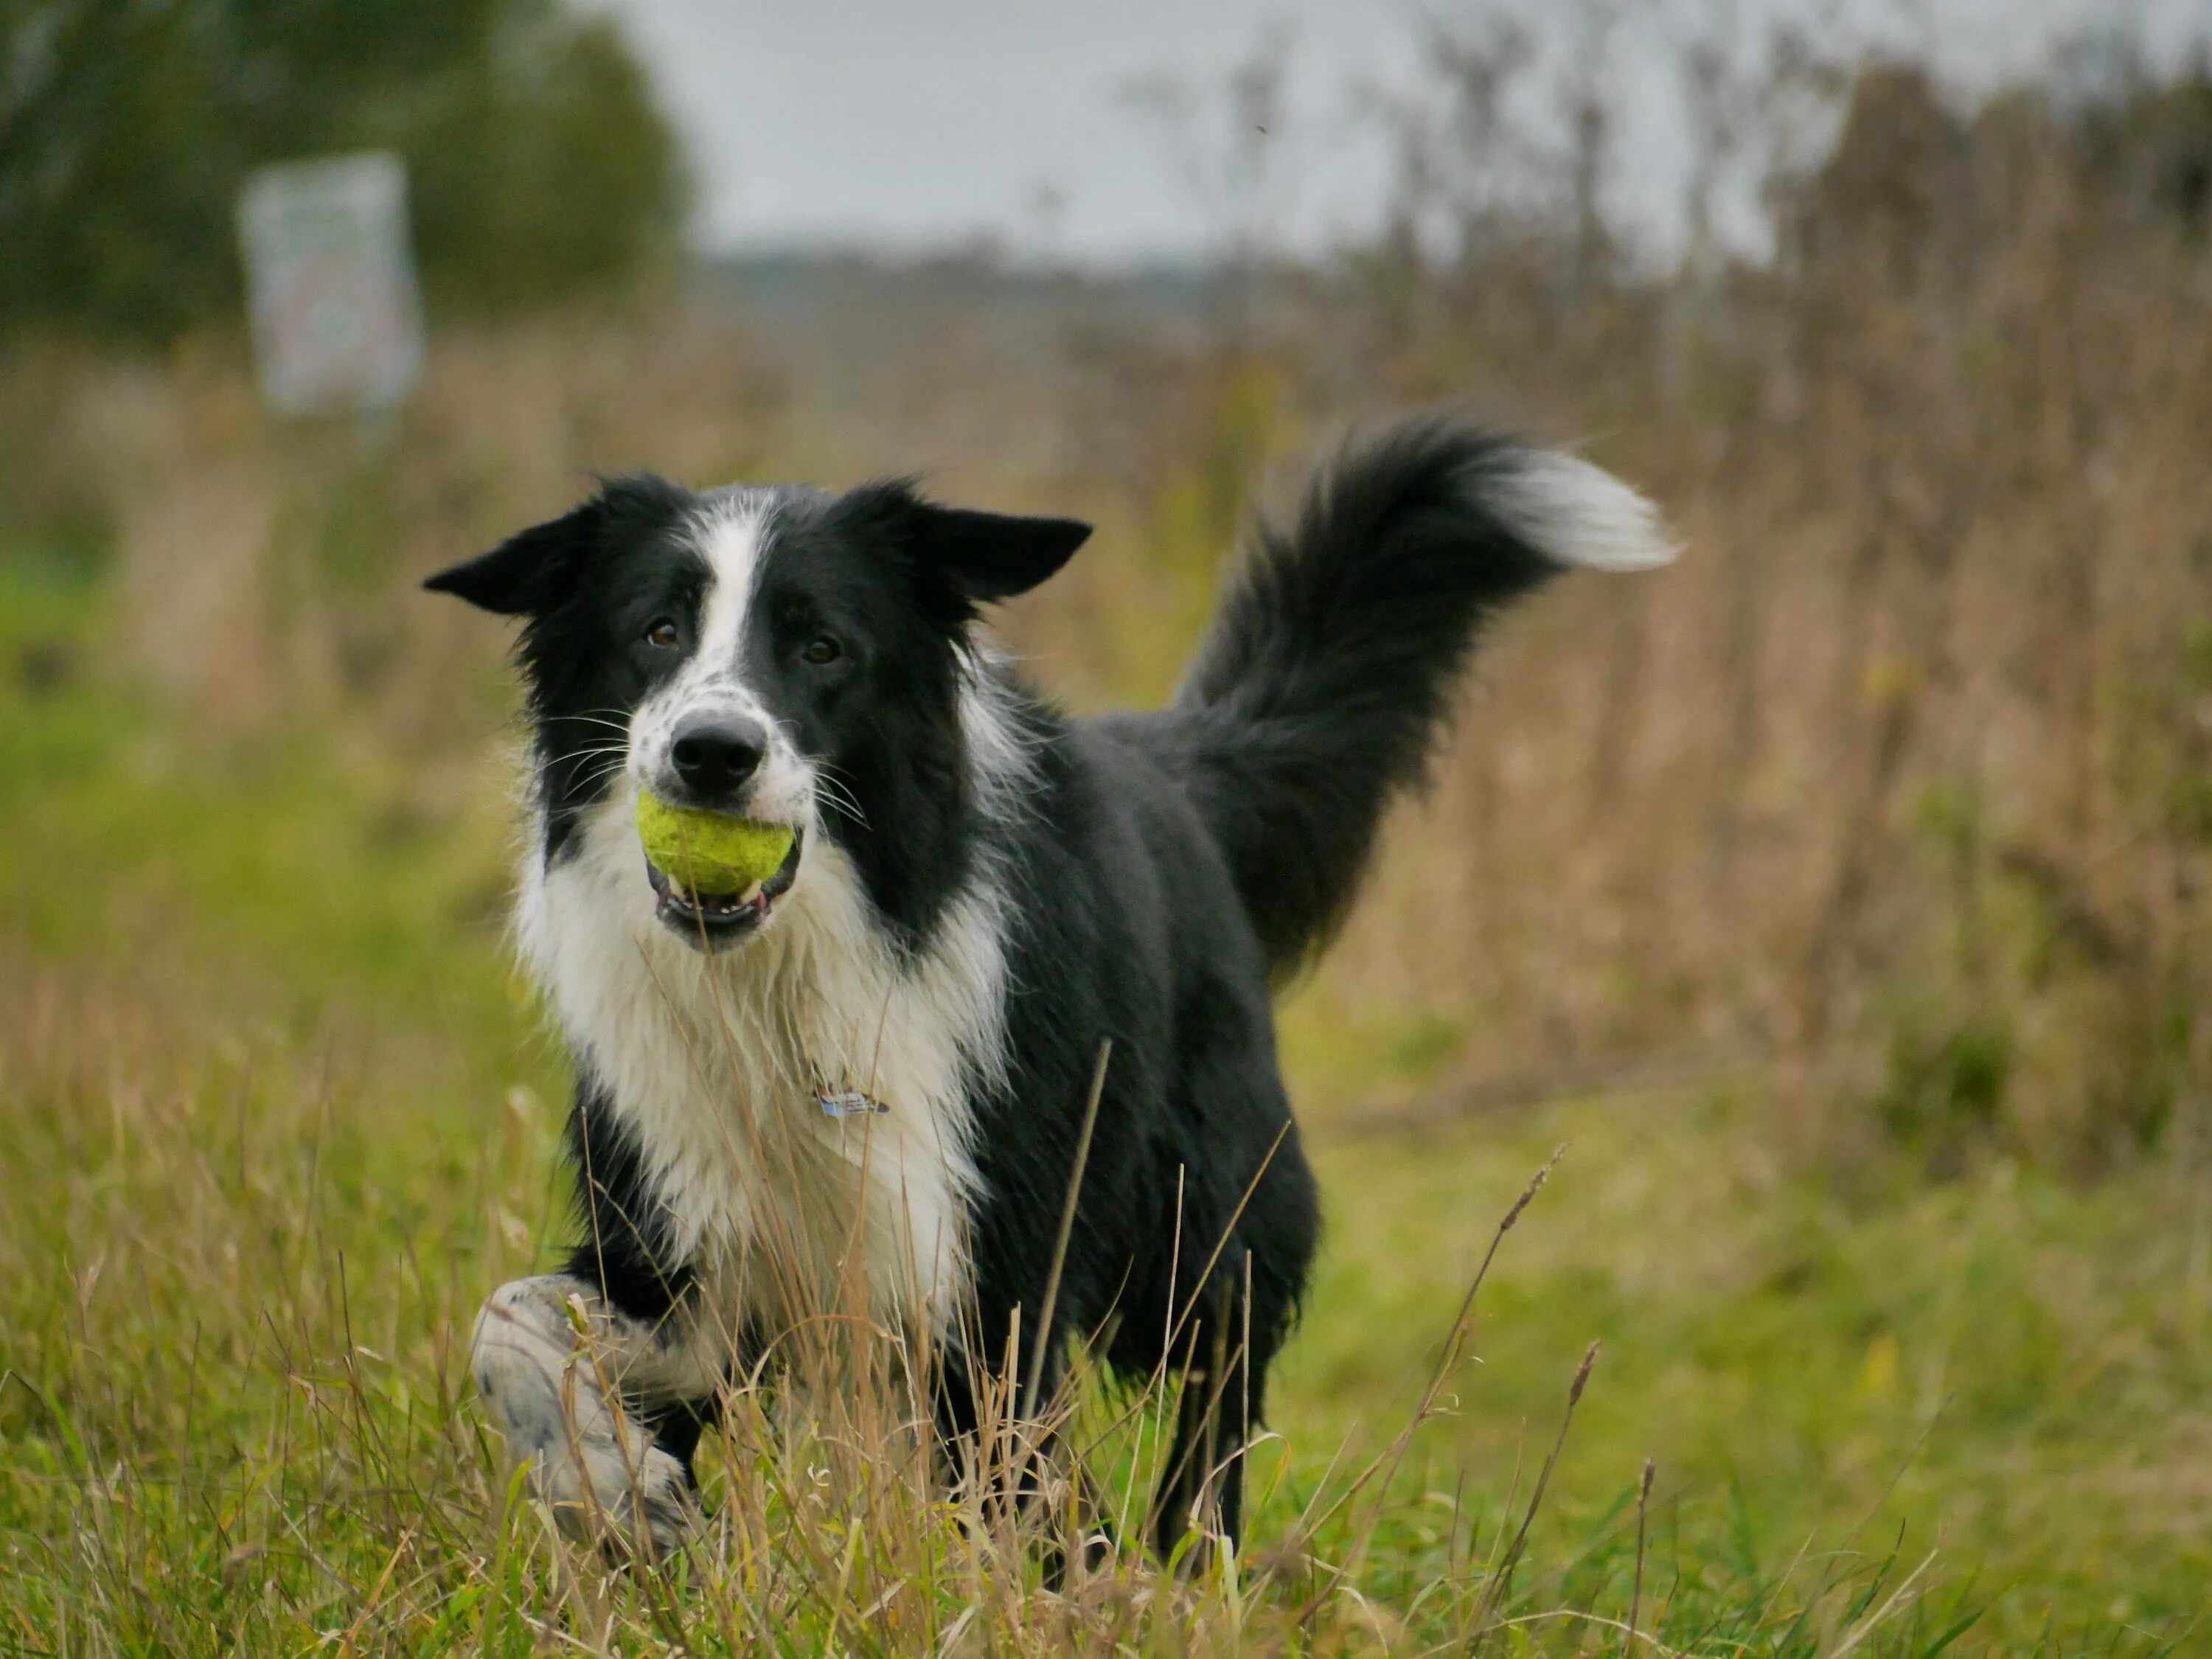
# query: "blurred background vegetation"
1842, 894
539, 167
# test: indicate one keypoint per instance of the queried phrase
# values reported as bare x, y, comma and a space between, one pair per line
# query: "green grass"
276, 1114
2010, 1369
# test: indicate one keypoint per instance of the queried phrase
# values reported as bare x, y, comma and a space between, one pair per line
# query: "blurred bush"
1895, 787
538, 166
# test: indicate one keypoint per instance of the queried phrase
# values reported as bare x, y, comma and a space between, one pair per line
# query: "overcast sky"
912, 123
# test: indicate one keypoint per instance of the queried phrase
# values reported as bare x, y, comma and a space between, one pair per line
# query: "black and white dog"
875, 1066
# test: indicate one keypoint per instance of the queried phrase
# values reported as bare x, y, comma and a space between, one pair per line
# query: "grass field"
277, 1114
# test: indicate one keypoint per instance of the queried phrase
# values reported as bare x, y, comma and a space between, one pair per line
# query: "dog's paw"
595, 1468
665, 1502
618, 1490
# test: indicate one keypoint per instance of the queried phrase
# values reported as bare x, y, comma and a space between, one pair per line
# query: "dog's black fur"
1166, 871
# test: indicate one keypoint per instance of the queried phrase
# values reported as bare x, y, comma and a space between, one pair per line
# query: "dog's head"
787, 654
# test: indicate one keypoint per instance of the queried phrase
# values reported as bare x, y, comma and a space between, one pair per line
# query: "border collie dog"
874, 1069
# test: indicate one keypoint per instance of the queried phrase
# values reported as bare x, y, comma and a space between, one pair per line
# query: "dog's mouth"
712, 921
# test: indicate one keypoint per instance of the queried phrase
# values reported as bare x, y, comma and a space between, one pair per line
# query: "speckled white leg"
550, 1360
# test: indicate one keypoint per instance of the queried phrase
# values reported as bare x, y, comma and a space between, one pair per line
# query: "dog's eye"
663, 634
821, 649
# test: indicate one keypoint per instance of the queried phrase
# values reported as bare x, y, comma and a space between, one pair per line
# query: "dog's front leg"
555, 1363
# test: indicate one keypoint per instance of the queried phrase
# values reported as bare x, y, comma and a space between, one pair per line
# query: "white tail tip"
1577, 514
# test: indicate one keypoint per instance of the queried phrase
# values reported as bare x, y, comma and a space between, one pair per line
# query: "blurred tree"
539, 167
2146, 139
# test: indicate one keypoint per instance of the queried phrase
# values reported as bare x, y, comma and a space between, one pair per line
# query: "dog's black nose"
715, 755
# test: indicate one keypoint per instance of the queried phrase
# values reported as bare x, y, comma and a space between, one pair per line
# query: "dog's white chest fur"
715, 1063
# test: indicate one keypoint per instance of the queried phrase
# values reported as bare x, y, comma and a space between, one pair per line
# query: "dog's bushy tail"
1319, 691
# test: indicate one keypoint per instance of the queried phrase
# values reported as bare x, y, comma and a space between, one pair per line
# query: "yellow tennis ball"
710, 852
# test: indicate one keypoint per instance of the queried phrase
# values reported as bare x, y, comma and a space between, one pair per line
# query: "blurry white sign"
338, 321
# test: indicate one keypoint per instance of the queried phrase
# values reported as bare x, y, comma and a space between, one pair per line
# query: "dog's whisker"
840, 800
613, 762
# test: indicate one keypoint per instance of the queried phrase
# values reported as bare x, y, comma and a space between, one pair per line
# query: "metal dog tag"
849, 1102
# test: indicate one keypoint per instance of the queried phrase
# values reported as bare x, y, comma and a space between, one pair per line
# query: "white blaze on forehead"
730, 533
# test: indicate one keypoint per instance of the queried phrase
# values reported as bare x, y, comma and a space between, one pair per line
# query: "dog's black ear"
520, 576
989, 556
526, 574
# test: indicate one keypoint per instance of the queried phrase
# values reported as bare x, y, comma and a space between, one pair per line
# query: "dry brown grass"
1897, 789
